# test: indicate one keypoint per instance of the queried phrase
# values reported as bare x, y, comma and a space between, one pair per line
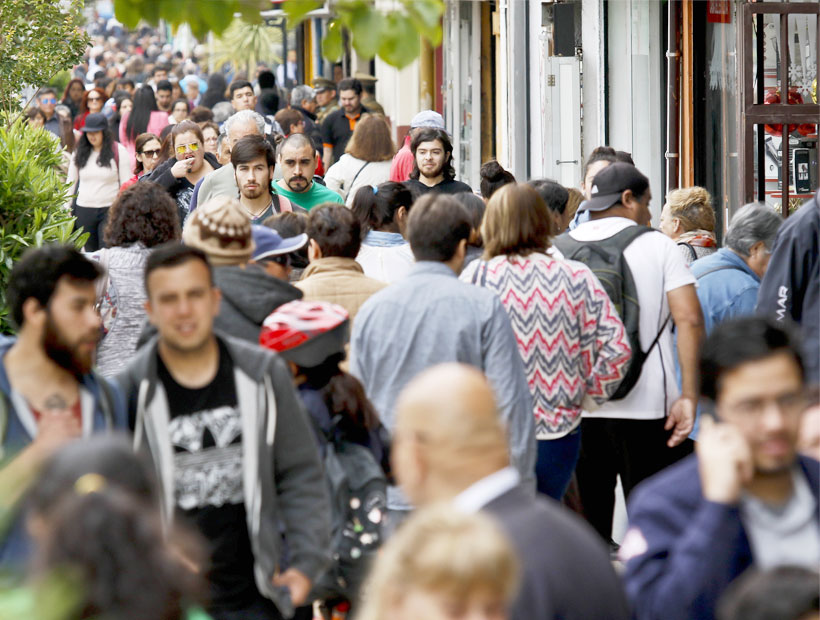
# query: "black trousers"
633, 449
92, 220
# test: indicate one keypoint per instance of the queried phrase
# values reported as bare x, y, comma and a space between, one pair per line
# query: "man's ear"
33, 312
314, 251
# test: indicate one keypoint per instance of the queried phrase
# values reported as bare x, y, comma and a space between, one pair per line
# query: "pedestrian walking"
688, 218
232, 444
433, 164
254, 163
147, 152
92, 103
141, 218
145, 117
383, 210
49, 391
403, 161
338, 126
333, 274
450, 445
99, 166
297, 158
745, 498
493, 178
456, 323
573, 344
73, 96
190, 163
366, 160
644, 426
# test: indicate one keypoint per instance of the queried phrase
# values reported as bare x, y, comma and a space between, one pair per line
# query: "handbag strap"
353, 182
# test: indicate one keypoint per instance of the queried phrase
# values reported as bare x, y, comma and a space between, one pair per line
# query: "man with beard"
49, 393
433, 164
297, 158
745, 498
339, 125
254, 163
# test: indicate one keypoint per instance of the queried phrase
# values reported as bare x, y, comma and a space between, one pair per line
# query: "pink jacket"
402, 163
157, 122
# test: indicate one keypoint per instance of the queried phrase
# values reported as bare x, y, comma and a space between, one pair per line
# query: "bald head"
449, 433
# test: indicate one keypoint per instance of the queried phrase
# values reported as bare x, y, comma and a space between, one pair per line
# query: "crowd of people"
298, 372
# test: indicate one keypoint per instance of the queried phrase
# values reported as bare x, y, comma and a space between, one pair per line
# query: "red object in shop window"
795, 98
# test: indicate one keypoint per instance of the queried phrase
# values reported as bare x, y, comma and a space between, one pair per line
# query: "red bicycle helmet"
306, 332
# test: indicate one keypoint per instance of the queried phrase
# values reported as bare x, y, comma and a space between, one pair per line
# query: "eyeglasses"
49, 100
152, 153
193, 146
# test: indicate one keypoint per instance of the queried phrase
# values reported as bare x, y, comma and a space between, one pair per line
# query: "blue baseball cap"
270, 243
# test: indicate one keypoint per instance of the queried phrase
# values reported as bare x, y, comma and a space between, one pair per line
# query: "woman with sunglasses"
149, 156
188, 164
92, 103
144, 117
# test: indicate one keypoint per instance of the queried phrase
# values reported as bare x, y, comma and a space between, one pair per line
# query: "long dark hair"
144, 103
215, 91
66, 96
83, 150
376, 207
428, 134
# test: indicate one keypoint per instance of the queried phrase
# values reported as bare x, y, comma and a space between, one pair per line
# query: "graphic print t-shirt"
206, 434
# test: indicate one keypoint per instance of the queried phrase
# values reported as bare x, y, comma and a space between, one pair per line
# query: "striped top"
573, 344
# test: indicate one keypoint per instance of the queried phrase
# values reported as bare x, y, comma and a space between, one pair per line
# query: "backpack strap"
721, 268
621, 240
691, 249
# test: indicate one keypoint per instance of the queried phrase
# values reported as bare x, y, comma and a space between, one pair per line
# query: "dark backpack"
605, 257
358, 497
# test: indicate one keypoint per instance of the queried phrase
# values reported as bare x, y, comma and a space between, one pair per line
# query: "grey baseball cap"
427, 118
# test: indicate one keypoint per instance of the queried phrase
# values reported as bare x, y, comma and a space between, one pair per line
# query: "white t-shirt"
657, 267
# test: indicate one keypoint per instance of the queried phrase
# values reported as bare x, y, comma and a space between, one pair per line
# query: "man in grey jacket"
429, 318
231, 444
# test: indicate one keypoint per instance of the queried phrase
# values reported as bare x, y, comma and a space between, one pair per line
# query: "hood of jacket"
252, 292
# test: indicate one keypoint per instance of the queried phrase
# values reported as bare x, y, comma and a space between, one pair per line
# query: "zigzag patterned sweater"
573, 343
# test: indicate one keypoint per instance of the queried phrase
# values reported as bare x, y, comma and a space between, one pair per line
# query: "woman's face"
668, 223
417, 603
211, 138
187, 146
36, 121
95, 138
180, 112
149, 156
76, 91
95, 102
126, 106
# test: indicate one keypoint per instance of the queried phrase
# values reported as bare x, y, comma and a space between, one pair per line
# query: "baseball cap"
270, 243
427, 118
610, 183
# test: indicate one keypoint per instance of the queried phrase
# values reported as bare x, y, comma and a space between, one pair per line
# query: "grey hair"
751, 224
222, 111
300, 94
246, 116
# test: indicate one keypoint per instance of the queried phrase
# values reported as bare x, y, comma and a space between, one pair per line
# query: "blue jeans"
556, 462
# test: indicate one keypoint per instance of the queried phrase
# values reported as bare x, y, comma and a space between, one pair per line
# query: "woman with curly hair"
98, 167
92, 103
142, 217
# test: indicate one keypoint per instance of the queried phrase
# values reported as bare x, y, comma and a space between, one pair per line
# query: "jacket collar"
727, 256
332, 264
429, 268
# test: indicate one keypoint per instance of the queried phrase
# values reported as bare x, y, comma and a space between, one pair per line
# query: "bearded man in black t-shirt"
433, 164
232, 443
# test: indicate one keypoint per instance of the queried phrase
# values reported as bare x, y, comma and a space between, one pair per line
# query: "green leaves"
38, 39
203, 16
392, 35
332, 44
33, 196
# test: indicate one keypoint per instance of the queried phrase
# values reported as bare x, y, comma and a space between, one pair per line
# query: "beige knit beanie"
221, 230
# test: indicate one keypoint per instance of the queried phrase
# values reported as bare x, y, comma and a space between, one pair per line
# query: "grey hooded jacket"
249, 295
282, 475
